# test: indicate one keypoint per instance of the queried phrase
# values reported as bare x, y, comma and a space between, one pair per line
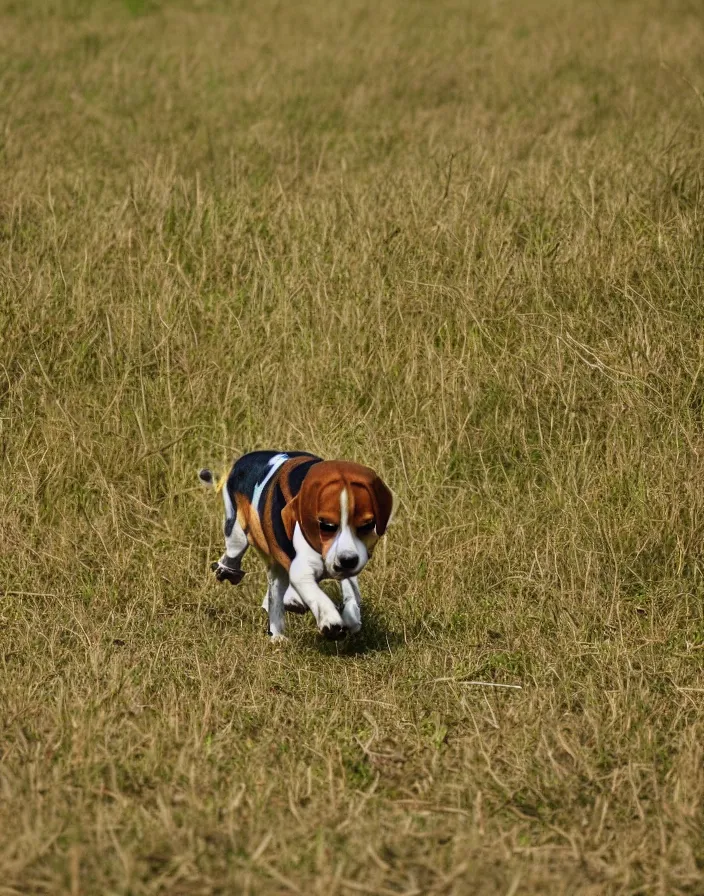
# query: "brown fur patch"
248, 518
275, 551
285, 471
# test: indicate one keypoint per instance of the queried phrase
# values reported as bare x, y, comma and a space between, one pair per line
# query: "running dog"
310, 519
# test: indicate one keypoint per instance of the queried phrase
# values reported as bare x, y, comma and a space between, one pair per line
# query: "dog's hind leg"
278, 583
292, 602
228, 568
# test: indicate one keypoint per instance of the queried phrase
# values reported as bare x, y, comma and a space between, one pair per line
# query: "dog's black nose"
347, 561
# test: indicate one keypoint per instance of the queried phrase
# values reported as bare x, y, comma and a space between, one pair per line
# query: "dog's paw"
333, 632
278, 640
298, 609
224, 573
293, 603
352, 618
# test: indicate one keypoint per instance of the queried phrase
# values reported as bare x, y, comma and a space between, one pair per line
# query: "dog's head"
343, 509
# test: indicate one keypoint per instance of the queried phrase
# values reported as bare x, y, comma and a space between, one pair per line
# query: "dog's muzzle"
345, 566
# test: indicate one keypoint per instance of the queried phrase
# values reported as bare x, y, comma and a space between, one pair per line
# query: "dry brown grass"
461, 243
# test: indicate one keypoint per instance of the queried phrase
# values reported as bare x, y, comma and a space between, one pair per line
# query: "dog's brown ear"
383, 501
308, 510
290, 516
303, 509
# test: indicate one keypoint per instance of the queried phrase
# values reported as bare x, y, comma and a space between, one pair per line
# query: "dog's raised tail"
207, 477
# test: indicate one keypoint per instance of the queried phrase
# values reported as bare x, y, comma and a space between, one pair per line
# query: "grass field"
462, 243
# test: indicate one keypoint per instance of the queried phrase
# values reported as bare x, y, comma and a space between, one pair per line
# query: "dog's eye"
367, 527
327, 527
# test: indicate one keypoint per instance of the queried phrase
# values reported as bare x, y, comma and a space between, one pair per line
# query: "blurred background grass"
459, 243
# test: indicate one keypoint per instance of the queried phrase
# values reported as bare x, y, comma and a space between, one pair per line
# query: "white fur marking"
346, 542
236, 542
227, 501
344, 507
274, 465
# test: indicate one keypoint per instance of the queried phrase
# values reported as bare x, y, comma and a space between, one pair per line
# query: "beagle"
310, 519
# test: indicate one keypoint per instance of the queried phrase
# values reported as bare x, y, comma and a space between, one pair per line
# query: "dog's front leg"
307, 568
292, 602
351, 604
326, 616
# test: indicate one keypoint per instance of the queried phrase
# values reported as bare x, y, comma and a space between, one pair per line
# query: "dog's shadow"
374, 637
